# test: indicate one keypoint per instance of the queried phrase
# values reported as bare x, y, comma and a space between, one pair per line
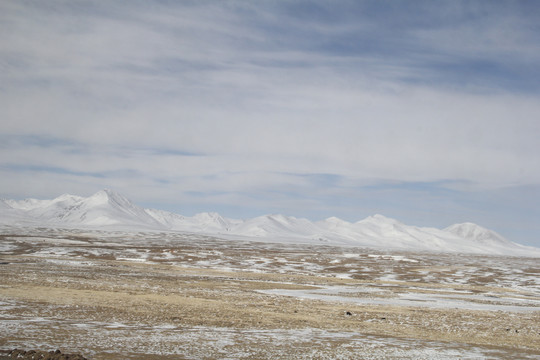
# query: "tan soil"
186, 295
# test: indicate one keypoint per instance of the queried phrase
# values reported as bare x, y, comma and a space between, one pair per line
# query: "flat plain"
166, 295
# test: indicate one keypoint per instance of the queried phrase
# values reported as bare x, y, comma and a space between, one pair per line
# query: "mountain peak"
335, 220
379, 219
473, 231
106, 193
109, 208
100, 195
67, 197
207, 215
108, 196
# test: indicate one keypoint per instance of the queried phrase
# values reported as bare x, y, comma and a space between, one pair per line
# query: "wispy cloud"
300, 105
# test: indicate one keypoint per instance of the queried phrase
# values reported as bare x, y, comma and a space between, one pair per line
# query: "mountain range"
107, 209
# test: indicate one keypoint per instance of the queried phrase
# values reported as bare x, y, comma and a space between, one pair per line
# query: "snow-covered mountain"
277, 226
168, 219
477, 233
110, 210
103, 209
203, 222
46, 209
4, 204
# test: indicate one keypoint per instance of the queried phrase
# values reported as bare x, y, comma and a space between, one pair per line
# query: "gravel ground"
171, 296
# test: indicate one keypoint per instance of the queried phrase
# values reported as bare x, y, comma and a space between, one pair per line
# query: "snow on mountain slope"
380, 231
106, 208
480, 236
203, 222
476, 232
52, 209
332, 223
341, 231
109, 209
10, 215
278, 226
212, 221
378, 226
168, 219
4, 204
28, 204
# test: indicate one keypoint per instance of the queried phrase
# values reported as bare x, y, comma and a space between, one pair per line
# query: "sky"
423, 111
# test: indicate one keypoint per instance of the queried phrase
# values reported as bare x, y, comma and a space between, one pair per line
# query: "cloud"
274, 105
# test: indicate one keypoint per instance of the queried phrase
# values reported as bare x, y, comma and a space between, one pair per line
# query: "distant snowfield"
109, 210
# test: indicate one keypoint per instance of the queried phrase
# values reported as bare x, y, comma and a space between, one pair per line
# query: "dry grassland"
205, 283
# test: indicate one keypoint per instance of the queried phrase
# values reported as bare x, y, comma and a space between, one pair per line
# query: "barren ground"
115, 295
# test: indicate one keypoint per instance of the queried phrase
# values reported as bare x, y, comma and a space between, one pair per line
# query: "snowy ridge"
108, 209
473, 231
103, 209
4, 204
203, 222
277, 226
168, 219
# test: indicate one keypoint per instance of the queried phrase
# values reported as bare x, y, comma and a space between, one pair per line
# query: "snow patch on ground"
131, 340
